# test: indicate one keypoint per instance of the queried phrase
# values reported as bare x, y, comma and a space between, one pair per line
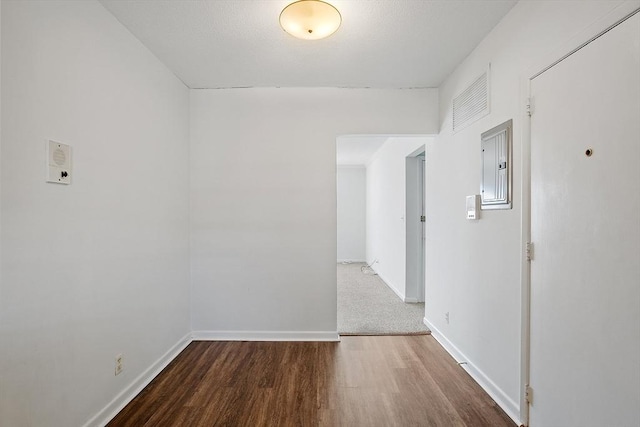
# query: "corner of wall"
118, 403
502, 399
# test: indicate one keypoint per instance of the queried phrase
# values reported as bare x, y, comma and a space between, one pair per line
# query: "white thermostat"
473, 204
58, 163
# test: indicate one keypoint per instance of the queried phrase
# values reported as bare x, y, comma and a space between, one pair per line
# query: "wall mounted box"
473, 207
495, 185
58, 165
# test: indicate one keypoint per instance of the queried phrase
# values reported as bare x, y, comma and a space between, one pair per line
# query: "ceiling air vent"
472, 103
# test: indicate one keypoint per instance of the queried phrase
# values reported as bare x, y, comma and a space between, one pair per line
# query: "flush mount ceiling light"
310, 19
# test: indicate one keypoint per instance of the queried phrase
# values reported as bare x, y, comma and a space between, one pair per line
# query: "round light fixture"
310, 19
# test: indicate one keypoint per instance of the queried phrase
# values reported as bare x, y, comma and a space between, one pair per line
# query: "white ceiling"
381, 43
357, 150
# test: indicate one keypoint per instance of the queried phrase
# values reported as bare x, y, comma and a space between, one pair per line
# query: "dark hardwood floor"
361, 381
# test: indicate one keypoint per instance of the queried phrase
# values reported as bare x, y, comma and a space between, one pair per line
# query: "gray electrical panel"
495, 186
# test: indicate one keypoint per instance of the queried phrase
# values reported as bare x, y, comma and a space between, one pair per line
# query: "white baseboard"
130, 392
390, 286
349, 261
411, 300
138, 384
505, 402
265, 336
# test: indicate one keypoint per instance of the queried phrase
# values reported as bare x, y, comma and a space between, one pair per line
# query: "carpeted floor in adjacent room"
367, 306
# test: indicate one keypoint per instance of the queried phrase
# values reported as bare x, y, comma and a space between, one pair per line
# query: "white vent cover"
472, 103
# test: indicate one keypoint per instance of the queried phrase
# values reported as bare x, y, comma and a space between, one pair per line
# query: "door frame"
415, 255
609, 21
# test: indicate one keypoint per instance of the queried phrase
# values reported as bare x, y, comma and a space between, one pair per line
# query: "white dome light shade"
310, 19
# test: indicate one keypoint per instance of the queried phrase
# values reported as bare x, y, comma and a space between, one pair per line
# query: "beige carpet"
367, 306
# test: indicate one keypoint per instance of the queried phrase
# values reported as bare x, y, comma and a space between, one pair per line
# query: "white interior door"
585, 226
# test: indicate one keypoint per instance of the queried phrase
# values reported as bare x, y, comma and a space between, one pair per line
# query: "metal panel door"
585, 227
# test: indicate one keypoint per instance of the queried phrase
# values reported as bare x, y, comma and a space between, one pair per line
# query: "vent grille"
472, 103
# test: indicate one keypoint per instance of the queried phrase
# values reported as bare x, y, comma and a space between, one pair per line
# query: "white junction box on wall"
58, 163
473, 207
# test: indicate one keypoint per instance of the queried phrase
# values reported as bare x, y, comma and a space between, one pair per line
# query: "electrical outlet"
119, 364
446, 317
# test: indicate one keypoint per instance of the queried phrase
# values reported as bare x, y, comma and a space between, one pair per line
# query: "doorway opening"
380, 234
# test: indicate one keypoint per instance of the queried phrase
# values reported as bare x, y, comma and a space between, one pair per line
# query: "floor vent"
472, 103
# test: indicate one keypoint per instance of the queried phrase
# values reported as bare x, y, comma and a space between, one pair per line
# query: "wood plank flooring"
361, 381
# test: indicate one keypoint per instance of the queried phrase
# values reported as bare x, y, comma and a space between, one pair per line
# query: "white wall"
99, 267
473, 267
351, 187
263, 199
386, 210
